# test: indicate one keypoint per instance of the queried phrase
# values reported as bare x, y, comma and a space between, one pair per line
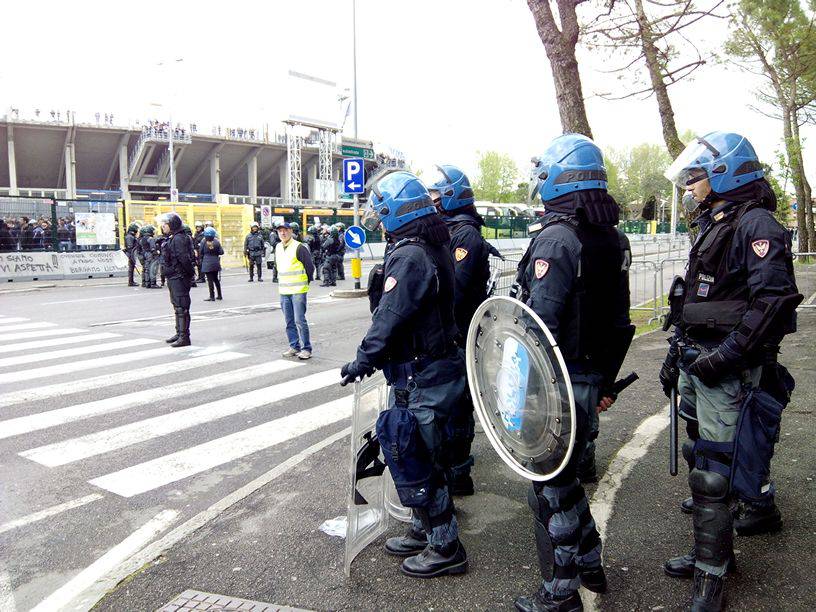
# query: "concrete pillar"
215, 174
12, 163
284, 179
311, 180
252, 179
70, 171
124, 185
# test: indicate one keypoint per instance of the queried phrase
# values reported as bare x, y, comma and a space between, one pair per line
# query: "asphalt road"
236, 510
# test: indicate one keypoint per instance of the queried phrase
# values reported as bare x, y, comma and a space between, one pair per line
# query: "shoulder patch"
760, 247
390, 283
460, 254
541, 267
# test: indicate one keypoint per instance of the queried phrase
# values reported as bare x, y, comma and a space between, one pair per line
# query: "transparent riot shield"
372, 497
521, 389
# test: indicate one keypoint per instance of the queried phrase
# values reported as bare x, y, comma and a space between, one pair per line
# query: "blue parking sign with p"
353, 175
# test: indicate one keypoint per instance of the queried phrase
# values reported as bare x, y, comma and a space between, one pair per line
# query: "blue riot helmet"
452, 189
571, 163
397, 197
726, 159
209, 232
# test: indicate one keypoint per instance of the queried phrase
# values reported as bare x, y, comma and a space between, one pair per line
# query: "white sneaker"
290, 352
304, 354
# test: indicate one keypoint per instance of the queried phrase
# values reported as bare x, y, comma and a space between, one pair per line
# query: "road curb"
349, 293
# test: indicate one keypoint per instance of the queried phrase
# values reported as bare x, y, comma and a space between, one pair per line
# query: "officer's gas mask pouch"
757, 433
406, 455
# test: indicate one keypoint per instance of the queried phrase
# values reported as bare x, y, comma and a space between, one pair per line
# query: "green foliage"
784, 214
498, 178
635, 175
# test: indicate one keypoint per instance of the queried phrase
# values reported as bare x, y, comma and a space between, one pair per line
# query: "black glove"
712, 367
352, 371
669, 372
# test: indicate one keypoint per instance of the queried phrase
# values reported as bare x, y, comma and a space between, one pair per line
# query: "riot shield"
521, 390
372, 497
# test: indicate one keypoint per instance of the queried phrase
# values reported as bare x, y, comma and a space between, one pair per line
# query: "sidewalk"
268, 548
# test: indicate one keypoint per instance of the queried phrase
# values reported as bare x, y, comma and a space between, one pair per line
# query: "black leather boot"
412, 543
175, 336
683, 567
754, 519
184, 332
543, 601
437, 561
593, 579
687, 506
461, 486
708, 592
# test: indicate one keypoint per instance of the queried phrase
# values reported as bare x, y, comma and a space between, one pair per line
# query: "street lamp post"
172, 160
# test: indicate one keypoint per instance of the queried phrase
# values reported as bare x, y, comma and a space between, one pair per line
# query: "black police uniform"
331, 247
179, 268
313, 242
341, 254
739, 302
254, 248
412, 338
147, 258
131, 239
575, 277
197, 238
471, 271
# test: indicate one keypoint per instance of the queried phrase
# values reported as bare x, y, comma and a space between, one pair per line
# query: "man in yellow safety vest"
295, 271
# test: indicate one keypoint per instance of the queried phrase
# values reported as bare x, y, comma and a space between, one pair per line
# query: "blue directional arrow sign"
353, 175
355, 237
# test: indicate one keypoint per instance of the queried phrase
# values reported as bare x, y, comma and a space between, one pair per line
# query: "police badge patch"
390, 283
760, 247
460, 254
541, 267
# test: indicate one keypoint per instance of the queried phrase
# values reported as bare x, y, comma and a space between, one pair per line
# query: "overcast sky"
438, 79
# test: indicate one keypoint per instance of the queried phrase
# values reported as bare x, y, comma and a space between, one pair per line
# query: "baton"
673, 432
620, 385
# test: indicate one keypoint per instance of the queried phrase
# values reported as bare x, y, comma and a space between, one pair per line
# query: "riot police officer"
313, 242
737, 303
197, 238
131, 239
330, 247
179, 265
274, 239
254, 250
575, 277
412, 339
189, 233
341, 252
454, 199
146, 251
295, 227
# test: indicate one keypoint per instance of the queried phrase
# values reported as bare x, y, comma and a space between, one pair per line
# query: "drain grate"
198, 600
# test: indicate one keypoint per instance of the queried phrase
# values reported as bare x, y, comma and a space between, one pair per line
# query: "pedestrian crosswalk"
134, 416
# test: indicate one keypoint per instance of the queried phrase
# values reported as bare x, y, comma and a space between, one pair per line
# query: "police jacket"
577, 275
471, 266
198, 237
145, 247
209, 254
130, 242
254, 244
740, 285
413, 326
330, 245
177, 256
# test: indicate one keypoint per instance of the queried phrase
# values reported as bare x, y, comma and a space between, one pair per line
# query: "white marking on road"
89, 364
22, 326
52, 511
107, 380
623, 462
72, 593
77, 412
72, 352
36, 344
157, 548
194, 460
6, 592
105, 441
43, 333
107, 297
6, 320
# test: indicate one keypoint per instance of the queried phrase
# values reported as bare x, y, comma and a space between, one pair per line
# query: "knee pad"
407, 457
180, 311
708, 487
713, 522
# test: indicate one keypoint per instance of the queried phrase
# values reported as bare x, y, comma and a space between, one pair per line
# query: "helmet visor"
537, 176
688, 168
370, 218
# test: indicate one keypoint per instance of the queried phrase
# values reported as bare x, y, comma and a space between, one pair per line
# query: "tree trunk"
800, 170
650, 52
560, 48
802, 201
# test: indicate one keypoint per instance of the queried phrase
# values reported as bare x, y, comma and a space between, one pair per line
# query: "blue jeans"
297, 329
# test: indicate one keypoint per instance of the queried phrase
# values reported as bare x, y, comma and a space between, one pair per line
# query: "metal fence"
503, 273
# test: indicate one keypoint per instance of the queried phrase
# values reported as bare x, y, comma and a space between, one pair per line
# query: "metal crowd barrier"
502, 274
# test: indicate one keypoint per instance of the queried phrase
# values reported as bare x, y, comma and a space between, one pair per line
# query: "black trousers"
131, 269
179, 293
255, 263
212, 279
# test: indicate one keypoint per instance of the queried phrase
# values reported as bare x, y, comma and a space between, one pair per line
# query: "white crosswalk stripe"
7, 320
21, 326
189, 462
77, 412
105, 380
73, 352
42, 333
36, 344
68, 451
99, 362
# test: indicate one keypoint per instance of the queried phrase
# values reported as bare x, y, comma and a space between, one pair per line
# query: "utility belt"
403, 376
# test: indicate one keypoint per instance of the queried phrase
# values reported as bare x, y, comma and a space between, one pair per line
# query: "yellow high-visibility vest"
291, 272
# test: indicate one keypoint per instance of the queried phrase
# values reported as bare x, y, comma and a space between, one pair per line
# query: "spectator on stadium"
64, 235
26, 236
